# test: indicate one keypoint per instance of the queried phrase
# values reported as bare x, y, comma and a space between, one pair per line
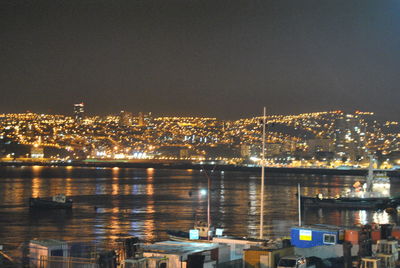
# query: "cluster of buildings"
308, 246
323, 139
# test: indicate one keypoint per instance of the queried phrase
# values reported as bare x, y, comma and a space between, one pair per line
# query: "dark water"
145, 202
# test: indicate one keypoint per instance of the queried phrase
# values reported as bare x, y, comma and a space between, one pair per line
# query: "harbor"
318, 246
113, 203
132, 134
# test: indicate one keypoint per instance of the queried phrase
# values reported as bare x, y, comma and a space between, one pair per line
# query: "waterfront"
109, 202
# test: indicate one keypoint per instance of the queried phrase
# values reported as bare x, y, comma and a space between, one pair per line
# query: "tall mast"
208, 207
299, 202
208, 204
262, 179
370, 176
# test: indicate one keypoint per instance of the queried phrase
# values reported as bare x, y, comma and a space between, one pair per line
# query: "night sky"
225, 59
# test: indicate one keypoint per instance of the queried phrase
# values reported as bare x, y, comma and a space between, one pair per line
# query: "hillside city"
323, 139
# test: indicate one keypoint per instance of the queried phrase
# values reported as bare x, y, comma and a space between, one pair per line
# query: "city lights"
331, 139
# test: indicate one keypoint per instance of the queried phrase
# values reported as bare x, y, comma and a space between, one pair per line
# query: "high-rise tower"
141, 120
125, 119
79, 109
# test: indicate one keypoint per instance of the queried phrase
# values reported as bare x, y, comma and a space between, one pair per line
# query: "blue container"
312, 236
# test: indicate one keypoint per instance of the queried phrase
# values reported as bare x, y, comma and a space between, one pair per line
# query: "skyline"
83, 112
224, 59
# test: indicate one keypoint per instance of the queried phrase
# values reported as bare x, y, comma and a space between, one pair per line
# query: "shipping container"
312, 236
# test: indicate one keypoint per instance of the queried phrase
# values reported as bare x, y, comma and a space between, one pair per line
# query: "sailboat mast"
208, 207
370, 176
299, 202
262, 179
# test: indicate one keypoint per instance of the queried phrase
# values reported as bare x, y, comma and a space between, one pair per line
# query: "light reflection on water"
35, 187
109, 202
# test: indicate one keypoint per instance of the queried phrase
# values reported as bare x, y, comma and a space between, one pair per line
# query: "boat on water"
373, 194
348, 202
200, 233
59, 201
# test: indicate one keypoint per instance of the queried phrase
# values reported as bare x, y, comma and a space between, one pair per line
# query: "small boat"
56, 202
374, 194
199, 233
347, 202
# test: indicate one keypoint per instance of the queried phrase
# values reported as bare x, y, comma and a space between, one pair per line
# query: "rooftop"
178, 248
48, 242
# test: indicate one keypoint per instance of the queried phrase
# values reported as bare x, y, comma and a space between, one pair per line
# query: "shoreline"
189, 165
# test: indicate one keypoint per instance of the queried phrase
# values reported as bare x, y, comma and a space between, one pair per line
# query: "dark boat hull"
348, 203
48, 204
183, 236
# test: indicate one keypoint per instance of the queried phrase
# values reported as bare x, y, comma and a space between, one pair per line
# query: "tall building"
125, 119
245, 150
141, 120
273, 149
349, 138
319, 145
37, 151
79, 109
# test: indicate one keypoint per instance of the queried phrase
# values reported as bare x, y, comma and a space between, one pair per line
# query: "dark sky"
225, 59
